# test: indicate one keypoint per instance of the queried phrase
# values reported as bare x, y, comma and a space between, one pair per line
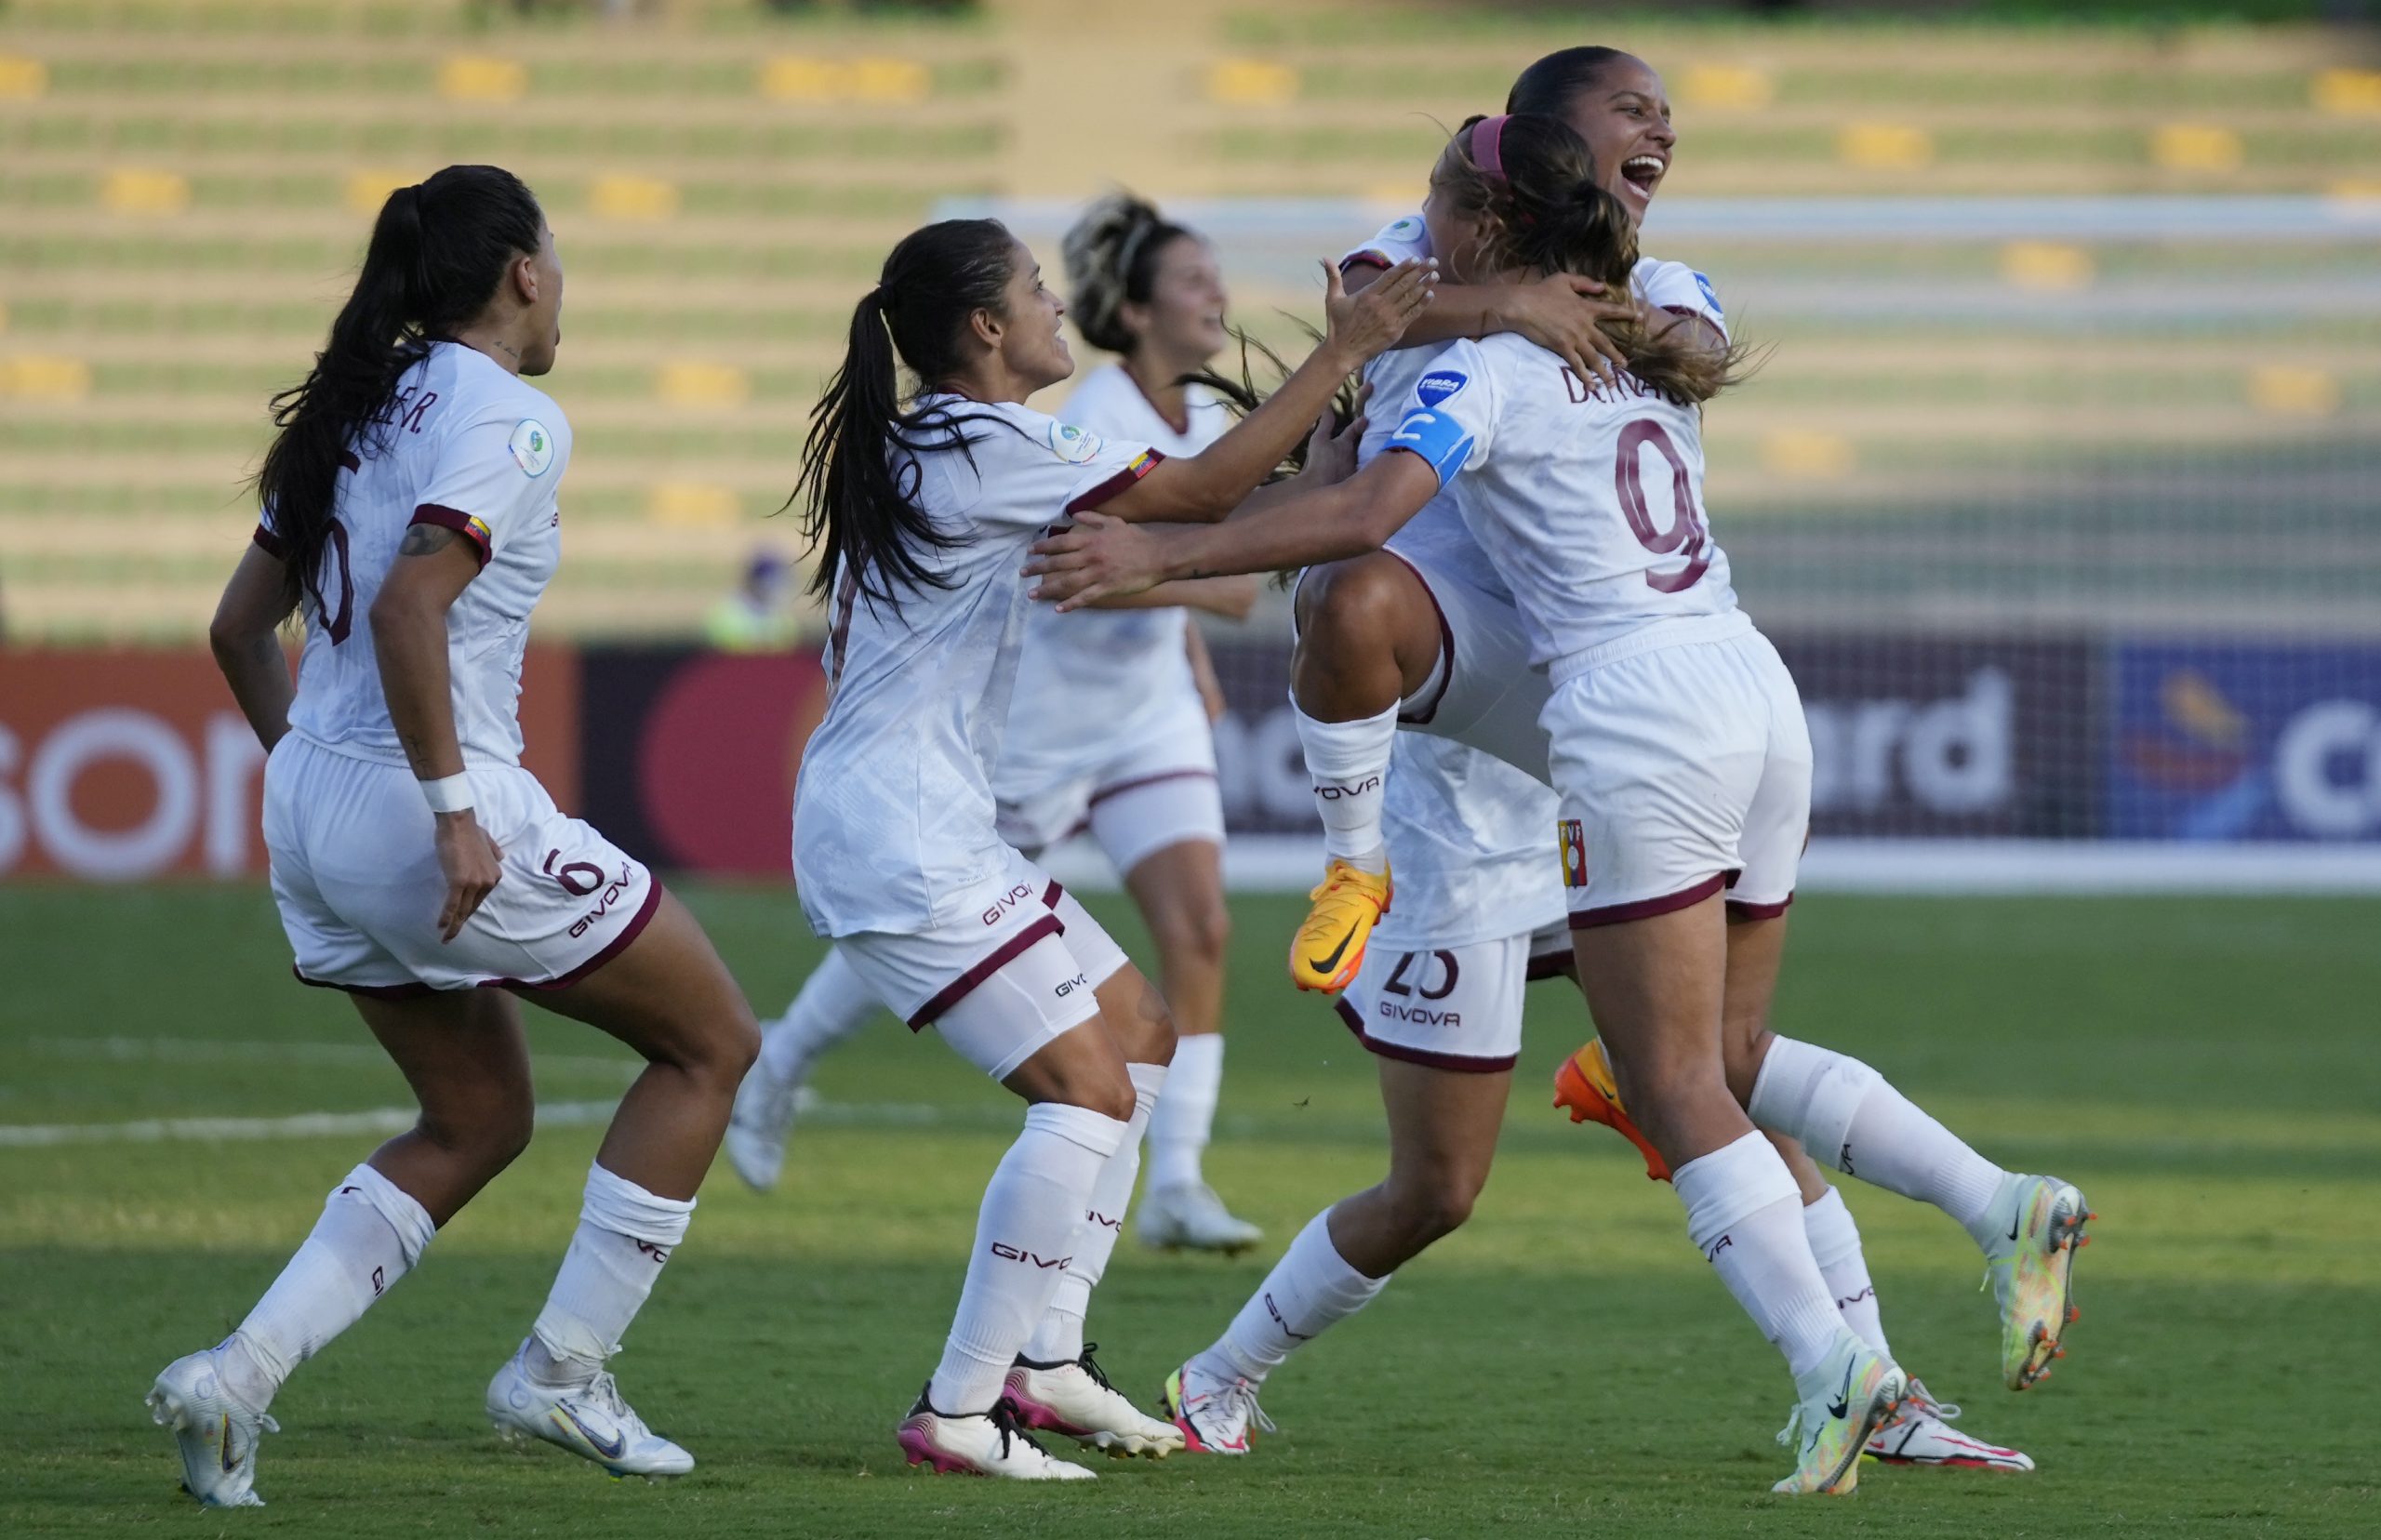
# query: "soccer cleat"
1918, 1433
1076, 1402
1585, 1084
1329, 948
1860, 1389
757, 1128
1191, 1216
215, 1430
1213, 1411
2033, 1273
984, 1444
590, 1421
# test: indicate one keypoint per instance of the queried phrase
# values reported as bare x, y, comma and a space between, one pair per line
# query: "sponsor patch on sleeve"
532, 446
1438, 385
1072, 444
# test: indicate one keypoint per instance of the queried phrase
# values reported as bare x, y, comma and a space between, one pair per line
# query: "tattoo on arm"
422, 539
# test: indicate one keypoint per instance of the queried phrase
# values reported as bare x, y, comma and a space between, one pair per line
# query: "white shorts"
355, 875
1684, 769
1450, 1007
1157, 790
1483, 692
1015, 970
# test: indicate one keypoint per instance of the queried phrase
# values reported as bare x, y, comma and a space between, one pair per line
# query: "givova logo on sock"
1330, 792
1007, 1253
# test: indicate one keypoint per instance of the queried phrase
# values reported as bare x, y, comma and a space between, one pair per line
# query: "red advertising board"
117, 766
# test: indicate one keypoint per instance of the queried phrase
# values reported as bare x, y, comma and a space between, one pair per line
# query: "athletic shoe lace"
1012, 1432
1239, 1400
605, 1391
1091, 1367
1920, 1402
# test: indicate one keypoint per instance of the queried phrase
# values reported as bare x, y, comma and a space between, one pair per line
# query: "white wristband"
450, 794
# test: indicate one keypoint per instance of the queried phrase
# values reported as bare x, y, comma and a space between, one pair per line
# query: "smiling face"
1028, 337
1625, 117
1183, 318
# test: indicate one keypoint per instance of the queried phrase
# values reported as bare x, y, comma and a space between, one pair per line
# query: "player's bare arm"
245, 637
1563, 313
410, 640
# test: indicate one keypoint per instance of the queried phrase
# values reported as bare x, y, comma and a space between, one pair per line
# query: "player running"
1111, 733
921, 512
409, 516
1683, 769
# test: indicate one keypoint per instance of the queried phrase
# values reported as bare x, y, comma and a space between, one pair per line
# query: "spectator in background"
757, 617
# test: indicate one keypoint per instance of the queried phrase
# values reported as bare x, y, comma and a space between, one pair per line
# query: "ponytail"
437, 253
1112, 258
860, 477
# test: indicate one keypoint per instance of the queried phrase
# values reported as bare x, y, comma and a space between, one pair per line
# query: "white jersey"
471, 446
1471, 846
1437, 535
1091, 678
1588, 498
892, 814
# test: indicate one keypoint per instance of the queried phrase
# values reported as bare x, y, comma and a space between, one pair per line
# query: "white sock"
1350, 764
1058, 1338
833, 1006
1850, 1118
625, 1234
1835, 1245
1025, 1235
1311, 1287
371, 1234
1185, 1117
1745, 1211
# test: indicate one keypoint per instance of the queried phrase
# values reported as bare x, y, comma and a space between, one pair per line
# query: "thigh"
1134, 1015
665, 992
1657, 988
461, 1050
1756, 953
1443, 1124
1012, 1013
1179, 887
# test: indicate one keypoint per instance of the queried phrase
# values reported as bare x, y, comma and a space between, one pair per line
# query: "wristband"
448, 794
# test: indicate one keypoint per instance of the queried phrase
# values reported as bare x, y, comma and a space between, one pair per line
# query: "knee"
1746, 1052
1350, 602
487, 1133
720, 1053
1109, 1092
1657, 1086
1433, 1206
1197, 932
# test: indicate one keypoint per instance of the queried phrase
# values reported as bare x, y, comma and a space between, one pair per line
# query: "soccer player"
1683, 769
409, 515
1110, 732
922, 511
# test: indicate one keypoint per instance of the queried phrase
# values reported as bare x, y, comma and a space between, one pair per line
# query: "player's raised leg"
667, 995
1850, 1118
1367, 640
831, 1006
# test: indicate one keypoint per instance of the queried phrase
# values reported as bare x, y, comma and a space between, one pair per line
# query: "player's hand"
1330, 453
1565, 314
1360, 327
473, 865
1097, 557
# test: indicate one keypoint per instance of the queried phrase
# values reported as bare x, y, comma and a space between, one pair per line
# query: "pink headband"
1488, 143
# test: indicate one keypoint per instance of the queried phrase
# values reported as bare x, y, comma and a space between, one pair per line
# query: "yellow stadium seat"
1806, 455
2347, 92
2196, 147
1251, 83
33, 377
2049, 266
368, 189
1884, 146
480, 77
21, 79
2293, 389
1740, 87
694, 504
136, 189
881, 79
639, 198
798, 77
694, 382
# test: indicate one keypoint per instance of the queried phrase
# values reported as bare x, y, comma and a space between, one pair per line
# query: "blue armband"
1442, 443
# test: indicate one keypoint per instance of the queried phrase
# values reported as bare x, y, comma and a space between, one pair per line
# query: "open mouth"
1643, 173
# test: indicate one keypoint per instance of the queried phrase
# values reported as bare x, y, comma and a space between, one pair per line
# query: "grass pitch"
2206, 1069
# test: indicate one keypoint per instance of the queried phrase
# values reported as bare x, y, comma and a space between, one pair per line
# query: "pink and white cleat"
1213, 1411
1918, 1433
1075, 1401
981, 1443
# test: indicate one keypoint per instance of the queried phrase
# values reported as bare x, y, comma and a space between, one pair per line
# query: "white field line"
159, 1050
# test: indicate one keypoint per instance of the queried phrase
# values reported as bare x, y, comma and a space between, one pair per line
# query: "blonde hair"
1110, 258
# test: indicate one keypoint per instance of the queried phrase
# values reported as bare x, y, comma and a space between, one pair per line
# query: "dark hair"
1543, 209
438, 251
1549, 87
1111, 256
860, 510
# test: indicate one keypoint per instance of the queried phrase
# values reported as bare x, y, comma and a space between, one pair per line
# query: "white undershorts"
1158, 788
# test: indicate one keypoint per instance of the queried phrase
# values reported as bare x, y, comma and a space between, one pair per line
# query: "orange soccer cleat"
1584, 1085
